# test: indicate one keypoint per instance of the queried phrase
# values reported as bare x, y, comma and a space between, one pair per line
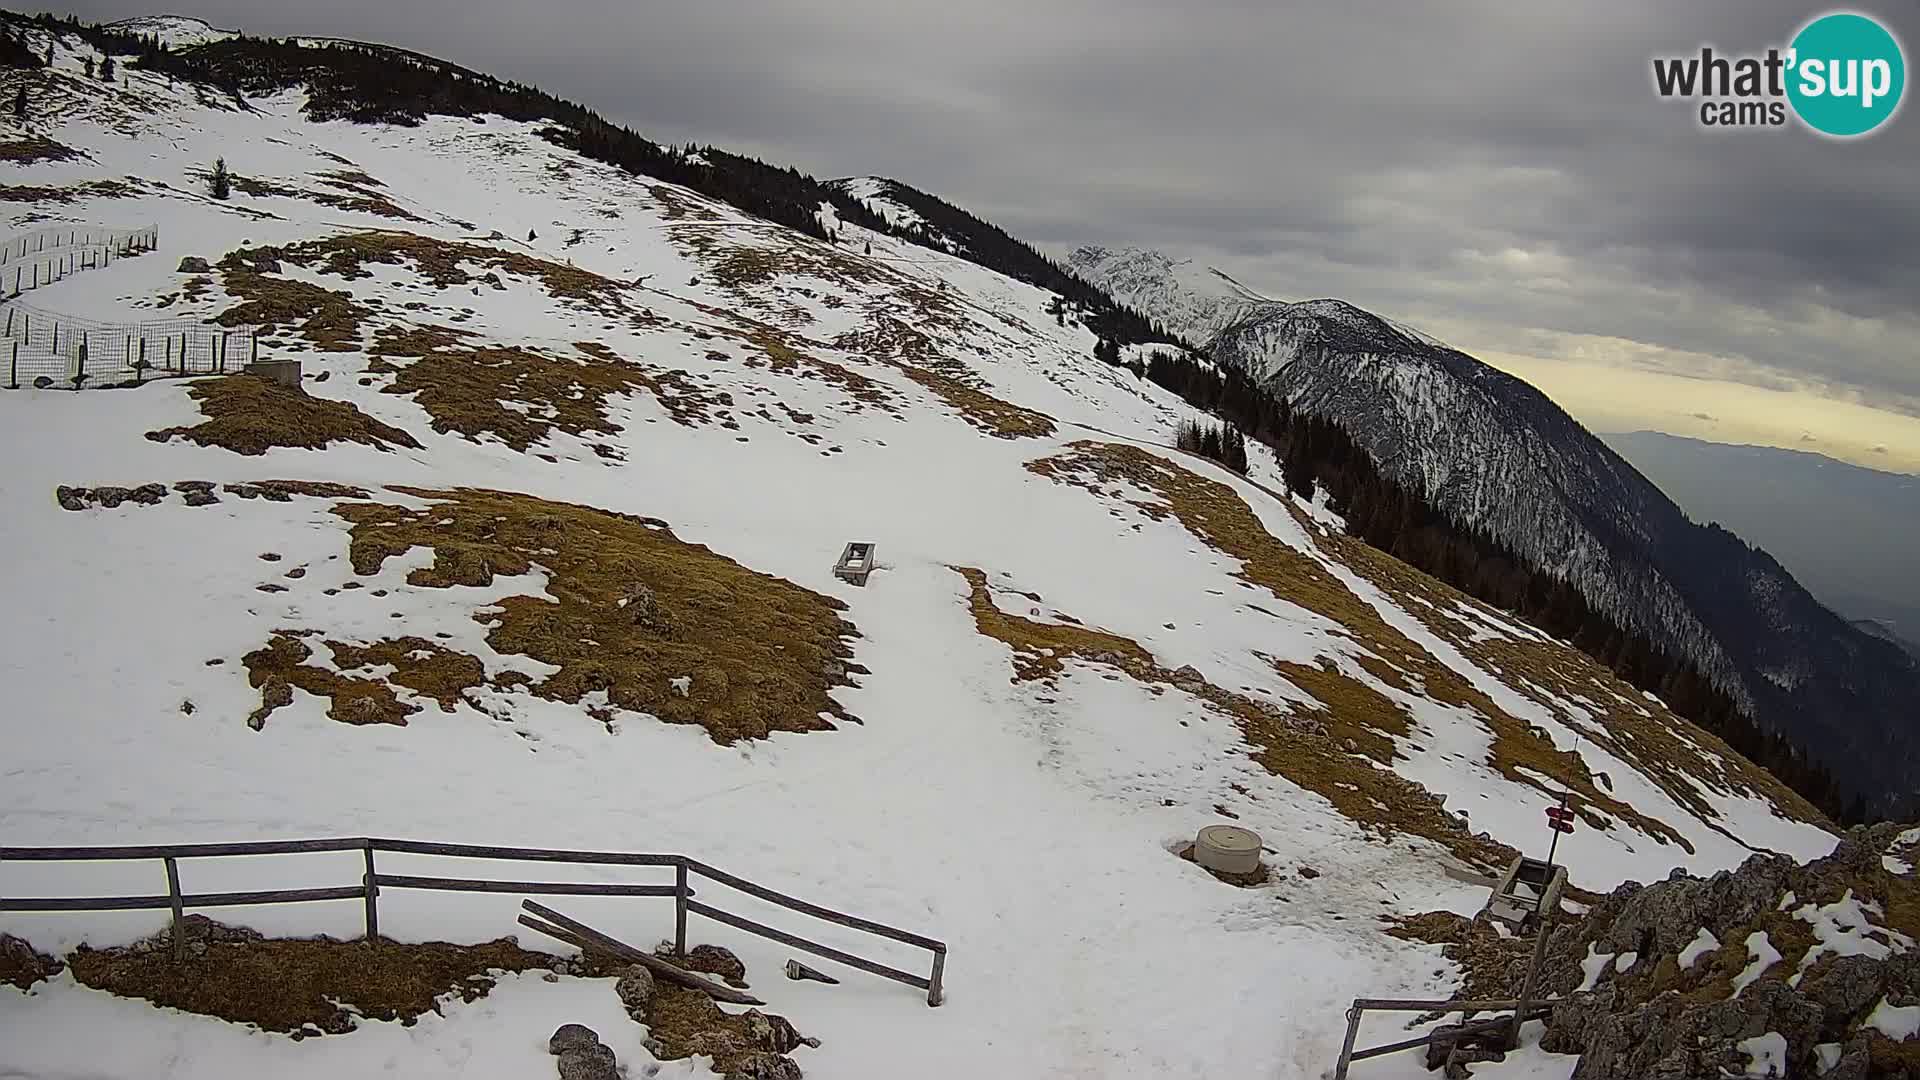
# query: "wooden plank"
544, 888
192, 900
813, 947
483, 851
620, 949
177, 851
851, 921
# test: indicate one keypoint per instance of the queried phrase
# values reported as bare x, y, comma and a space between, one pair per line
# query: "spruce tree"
221, 184
106, 69
89, 67
20, 103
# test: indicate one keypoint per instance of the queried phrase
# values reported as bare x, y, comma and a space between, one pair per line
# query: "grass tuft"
311, 985
250, 415
762, 653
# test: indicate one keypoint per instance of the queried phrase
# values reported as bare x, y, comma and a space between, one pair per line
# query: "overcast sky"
1496, 171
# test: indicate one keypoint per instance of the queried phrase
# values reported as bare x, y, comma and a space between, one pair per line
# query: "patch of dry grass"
35, 193
447, 263
1663, 746
422, 666
356, 199
466, 389
1212, 512
26, 151
21, 966
329, 319
894, 342
1309, 756
250, 415
630, 608
281, 665
310, 985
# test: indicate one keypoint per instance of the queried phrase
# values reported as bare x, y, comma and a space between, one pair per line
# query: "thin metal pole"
373, 894
179, 914
680, 910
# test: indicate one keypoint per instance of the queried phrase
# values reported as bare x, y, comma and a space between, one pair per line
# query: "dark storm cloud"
1499, 164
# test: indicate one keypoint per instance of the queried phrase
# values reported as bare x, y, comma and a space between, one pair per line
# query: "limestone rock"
635, 990
194, 264
572, 1037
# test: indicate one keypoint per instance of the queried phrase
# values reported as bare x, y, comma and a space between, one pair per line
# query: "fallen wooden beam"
581, 935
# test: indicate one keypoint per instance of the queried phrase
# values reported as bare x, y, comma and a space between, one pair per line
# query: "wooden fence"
41, 348
372, 882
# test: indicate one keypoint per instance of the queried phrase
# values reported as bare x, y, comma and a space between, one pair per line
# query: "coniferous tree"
220, 185
20, 103
106, 69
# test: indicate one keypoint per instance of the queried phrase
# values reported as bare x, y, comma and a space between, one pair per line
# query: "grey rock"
572, 1037
111, 497
764, 1066
148, 494
194, 264
594, 1062
717, 960
200, 498
773, 1032
635, 990
71, 498
193, 485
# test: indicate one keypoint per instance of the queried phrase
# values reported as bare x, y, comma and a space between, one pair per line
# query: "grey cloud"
1498, 164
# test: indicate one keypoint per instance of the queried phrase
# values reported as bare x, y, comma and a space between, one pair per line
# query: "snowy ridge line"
372, 881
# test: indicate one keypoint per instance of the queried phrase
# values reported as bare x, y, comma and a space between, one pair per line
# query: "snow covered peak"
176, 31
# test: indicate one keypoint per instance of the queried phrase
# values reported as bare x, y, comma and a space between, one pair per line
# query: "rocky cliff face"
1496, 455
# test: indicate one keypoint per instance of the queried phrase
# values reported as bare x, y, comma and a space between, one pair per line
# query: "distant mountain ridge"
1497, 456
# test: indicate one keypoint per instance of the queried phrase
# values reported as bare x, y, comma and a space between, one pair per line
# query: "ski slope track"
1079, 646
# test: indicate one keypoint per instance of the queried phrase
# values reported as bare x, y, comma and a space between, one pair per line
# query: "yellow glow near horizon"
1605, 397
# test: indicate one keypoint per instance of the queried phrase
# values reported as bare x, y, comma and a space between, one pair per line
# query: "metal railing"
372, 882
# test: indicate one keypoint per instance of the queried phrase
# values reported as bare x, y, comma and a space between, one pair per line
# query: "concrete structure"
1227, 849
856, 562
284, 372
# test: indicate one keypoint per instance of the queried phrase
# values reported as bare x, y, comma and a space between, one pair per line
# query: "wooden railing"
372, 882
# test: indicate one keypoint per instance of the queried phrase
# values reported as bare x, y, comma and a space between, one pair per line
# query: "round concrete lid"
1229, 838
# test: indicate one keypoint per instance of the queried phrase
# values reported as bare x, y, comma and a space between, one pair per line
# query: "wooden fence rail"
372, 881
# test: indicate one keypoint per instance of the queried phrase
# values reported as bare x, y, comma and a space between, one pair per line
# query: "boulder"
148, 494
635, 990
572, 1037
111, 497
594, 1062
764, 1066
717, 960
200, 498
194, 264
71, 498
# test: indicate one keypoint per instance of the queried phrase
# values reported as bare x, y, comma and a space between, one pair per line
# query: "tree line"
1316, 454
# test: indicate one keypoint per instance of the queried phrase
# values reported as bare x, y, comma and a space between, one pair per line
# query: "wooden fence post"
680, 909
373, 894
179, 913
13, 369
934, 994
253, 340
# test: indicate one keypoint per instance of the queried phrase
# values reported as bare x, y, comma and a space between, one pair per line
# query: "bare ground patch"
1307, 754
352, 197
34, 148
298, 985
656, 624
465, 388
1212, 512
250, 415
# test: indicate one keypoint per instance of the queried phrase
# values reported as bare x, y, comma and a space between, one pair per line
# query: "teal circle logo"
1846, 76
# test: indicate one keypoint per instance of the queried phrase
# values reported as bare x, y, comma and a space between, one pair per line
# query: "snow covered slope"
578, 451
175, 31
1496, 455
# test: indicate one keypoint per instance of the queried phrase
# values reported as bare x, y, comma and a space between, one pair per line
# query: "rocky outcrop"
1774, 965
